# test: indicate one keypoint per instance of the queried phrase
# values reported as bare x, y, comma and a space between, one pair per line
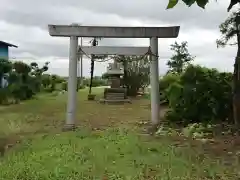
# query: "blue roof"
7, 44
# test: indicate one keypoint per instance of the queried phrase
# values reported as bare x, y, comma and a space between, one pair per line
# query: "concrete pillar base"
69, 127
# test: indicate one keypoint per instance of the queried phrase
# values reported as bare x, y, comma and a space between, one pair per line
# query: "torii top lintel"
113, 32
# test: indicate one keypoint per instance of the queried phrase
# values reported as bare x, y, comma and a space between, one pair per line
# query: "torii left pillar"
72, 84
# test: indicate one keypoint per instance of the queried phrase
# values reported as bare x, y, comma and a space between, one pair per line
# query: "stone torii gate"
74, 31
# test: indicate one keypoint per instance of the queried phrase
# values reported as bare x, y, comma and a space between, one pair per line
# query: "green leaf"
202, 3
189, 2
172, 3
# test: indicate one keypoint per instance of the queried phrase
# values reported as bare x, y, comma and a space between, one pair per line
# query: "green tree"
136, 73
37, 72
23, 80
230, 36
200, 3
180, 59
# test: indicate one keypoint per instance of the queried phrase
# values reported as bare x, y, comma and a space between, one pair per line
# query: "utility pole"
80, 67
81, 63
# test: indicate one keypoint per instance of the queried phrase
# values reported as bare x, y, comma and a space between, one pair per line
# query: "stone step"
119, 101
115, 94
117, 98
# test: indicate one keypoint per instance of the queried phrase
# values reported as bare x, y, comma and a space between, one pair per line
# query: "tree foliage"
164, 83
228, 30
200, 3
181, 57
136, 73
230, 36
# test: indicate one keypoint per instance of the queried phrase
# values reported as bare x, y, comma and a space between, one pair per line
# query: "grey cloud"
27, 19
154, 10
43, 50
210, 56
61, 67
40, 13
28, 13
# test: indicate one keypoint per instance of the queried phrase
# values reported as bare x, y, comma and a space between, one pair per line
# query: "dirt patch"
225, 149
8, 142
225, 145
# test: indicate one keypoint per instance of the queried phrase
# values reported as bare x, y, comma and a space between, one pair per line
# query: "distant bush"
81, 87
97, 81
65, 86
50, 82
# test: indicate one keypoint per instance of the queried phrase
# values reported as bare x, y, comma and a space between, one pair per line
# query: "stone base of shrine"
115, 96
115, 101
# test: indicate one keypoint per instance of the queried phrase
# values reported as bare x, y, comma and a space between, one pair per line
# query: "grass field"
107, 145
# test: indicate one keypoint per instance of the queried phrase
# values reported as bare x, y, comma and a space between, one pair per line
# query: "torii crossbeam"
74, 31
114, 50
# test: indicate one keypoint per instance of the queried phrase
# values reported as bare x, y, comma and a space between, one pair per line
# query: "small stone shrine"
116, 93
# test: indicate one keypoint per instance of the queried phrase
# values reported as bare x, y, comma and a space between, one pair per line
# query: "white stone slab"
113, 32
117, 50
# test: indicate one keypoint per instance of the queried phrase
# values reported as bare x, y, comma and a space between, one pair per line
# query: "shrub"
201, 95
164, 84
24, 80
4, 94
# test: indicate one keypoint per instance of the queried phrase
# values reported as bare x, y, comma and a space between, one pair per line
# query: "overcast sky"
24, 23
